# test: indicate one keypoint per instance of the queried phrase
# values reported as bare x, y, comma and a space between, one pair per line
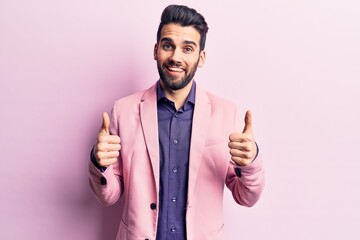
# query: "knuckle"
232, 145
101, 163
100, 148
100, 138
231, 136
100, 155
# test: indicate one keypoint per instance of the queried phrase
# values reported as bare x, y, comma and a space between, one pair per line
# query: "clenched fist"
106, 150
242, 145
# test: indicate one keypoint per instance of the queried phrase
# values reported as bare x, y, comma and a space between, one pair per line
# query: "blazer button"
153, 206
103, 181
238, 172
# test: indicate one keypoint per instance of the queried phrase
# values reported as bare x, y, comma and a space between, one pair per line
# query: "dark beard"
184, 81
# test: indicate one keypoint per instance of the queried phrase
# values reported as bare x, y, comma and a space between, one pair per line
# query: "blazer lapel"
149, 123
200, 127
201, 120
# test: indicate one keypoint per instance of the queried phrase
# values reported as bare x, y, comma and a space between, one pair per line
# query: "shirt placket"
174, 171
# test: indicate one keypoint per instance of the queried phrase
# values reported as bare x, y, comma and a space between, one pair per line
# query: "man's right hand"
106, 150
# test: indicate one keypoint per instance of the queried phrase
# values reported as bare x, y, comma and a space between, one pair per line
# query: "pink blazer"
136, 175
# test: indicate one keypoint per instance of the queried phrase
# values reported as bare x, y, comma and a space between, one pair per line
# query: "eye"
188, 49
167, 46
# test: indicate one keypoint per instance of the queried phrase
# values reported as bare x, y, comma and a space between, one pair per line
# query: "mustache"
173, 64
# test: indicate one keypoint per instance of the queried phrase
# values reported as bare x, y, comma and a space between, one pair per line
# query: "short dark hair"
184, 16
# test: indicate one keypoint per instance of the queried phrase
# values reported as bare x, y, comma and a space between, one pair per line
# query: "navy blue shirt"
174, 141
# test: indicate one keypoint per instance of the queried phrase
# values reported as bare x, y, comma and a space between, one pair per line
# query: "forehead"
179, 33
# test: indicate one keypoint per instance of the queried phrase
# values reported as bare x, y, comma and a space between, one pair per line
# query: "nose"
176, 56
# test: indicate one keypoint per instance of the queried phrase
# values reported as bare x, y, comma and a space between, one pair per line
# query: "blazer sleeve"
108, 185
245, 182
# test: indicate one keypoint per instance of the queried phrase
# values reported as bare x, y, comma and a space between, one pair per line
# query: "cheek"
193, 62
162, 56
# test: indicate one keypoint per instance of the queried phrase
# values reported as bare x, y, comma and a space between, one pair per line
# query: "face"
178, 55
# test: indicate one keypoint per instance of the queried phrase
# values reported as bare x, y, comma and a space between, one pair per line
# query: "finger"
115, 139
241, 161
105, 147
107, 155
247, 146
107, 162
105, 124
248, 122
240, 154
239, 137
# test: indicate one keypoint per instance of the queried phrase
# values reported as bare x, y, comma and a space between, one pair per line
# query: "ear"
155, 51
202, 58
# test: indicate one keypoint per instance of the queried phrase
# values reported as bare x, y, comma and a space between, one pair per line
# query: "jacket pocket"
124, 232
218, 234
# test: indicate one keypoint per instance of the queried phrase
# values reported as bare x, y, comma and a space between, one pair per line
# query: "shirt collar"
190, 98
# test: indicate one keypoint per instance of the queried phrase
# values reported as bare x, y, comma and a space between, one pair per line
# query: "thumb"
105, 124
248, 122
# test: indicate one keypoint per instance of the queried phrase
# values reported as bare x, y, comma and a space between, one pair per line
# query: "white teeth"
175, 69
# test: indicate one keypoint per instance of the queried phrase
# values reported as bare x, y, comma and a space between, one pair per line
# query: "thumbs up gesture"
242, 145
106, 150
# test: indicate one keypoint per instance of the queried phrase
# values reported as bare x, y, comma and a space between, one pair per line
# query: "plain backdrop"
295, 64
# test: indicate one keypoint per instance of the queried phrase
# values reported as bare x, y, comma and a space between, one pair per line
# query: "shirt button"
174, 170
103, 181
153, 206
173, 229
238, 172
173, 199
175, 141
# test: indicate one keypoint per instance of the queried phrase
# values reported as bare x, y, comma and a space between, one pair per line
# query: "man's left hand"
242, 145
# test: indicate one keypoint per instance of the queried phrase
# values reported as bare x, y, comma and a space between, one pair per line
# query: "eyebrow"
190, 43
186, 42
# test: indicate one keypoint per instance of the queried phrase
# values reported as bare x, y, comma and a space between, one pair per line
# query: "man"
165, 150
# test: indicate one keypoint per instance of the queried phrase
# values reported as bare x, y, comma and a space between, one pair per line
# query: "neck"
177, 96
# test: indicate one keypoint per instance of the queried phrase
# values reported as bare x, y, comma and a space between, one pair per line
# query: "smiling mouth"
174, 69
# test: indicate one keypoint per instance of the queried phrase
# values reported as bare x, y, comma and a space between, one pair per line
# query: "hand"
106, 150
242, 145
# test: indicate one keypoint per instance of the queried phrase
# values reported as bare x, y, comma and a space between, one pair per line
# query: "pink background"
296, 64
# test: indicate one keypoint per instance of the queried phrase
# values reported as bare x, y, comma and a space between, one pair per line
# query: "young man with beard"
168, 151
